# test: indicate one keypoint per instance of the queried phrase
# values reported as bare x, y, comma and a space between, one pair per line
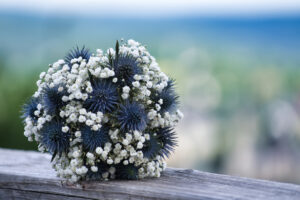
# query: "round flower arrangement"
104, 115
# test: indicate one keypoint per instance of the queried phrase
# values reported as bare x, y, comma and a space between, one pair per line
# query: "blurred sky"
155, 8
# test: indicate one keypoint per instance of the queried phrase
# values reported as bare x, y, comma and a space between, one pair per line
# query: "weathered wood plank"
28, 175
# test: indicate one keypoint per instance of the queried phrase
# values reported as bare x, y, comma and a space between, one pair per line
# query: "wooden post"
28, 175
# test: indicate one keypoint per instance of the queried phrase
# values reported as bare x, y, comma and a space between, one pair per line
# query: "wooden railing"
28, 175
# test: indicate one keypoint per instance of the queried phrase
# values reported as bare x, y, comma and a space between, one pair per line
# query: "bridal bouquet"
105, 115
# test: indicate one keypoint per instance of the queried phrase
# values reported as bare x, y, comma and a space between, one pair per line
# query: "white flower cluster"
81, 122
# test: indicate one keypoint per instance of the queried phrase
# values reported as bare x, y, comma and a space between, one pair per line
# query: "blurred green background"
238, 78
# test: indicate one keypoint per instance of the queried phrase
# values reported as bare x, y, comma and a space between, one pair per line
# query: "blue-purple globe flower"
92, 139
29, 108
84, 53
125, 67
104, 97
132, 116
54, 138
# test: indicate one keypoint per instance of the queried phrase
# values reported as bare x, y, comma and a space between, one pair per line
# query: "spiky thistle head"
29, 108
169, 97
168, 140
102, 167
132, 116
151, 147
125, 67
54, 139
84, 53
52, 99
92, 139
127, 172
103, 98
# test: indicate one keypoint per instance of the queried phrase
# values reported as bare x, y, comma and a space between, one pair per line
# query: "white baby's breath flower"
65, 68
137, 77
136, 84
90, 156
65, 98
42, 75
89, 89
147, 136
99, 52
103, 75
142, 139
157, 106
62, 113
125, 142
125, 96
123, 153
82, 118
94, 169
125, 162
139, 145
65, 129
131, 160
131, 42
111, 51
110, 161
76, 154
117, 160
78, 95
89, 122
104, 154
149, 84
95, 128
74, 87
115, 80
111, 73
126, 89
84, 96
99, 150
37, 113
149, 102
77, 134
73, 117
82, 111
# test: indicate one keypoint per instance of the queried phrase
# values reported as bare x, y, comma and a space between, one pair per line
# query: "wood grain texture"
28, 175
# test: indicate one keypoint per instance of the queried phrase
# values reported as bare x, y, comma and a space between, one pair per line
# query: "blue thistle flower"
128, 172
102, 167
132, 116
104, 97
125, 67
93, 139
168, 141
76, 53
52, 99
169, 97
54, 139
151, 147
171, 85
29, 108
